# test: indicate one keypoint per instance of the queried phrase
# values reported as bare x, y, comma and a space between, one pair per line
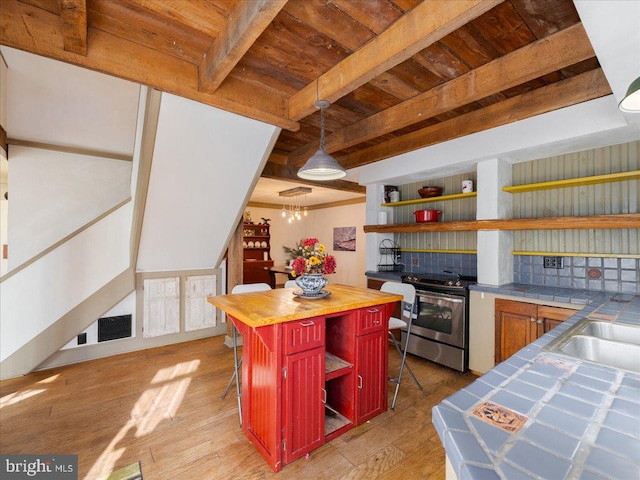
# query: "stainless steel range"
440, 329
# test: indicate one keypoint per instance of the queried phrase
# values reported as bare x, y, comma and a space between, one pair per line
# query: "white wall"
49, 288
351, 265
55, 193
57, 103
205, 164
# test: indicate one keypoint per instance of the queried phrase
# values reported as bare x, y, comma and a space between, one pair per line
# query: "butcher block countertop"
259, 309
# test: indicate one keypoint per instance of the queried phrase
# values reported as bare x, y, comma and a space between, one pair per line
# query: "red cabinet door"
303, 406
371, 376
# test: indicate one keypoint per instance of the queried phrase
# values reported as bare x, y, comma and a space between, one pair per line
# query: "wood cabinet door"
303, 405
551, 317
371, 376
516, 327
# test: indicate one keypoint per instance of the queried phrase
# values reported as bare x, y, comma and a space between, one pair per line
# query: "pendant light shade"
631, 101
321, 165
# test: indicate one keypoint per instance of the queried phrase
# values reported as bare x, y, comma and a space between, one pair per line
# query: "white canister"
265, 256
467, 186
382, 218
394, 196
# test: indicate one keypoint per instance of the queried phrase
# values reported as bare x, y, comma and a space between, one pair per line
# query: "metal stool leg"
236, 367
403, 363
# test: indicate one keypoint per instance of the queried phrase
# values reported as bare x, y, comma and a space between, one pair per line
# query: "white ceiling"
266, 191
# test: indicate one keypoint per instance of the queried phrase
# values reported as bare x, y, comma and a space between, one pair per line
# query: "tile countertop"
547, 416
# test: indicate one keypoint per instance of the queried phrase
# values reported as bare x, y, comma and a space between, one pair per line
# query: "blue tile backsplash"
621, 275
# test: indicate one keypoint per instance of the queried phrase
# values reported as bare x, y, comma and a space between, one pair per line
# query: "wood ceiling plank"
285, 172
73, 14
209, 18
331, 21
416, 30
580, 88
552, 53
37, 31
505, 28
131, 22
376, 15
244, 25
281, 46
544, 17
470, 46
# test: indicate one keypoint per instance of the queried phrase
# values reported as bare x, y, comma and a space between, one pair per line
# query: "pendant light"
321, 166
631, 101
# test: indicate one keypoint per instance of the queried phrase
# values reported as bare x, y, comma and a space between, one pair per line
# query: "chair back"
251, 287
407, 290
290, 284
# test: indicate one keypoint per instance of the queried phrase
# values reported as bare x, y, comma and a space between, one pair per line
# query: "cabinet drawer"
304, 334
371, 319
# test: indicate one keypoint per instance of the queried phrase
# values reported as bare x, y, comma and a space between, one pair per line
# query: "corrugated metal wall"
452, 211
608, 198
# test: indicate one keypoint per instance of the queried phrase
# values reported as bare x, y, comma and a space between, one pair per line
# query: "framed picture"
344, 239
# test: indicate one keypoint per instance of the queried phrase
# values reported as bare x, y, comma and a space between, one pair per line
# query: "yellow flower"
313, 261
321, 248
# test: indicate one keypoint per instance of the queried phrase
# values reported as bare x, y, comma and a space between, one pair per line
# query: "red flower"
329, 264
310, 242
299, 265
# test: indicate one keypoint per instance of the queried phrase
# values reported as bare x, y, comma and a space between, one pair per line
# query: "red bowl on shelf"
425, 216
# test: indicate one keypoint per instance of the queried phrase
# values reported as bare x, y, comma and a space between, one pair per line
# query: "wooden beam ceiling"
552, 53
413, 32
402, 74
244, 26
577, 89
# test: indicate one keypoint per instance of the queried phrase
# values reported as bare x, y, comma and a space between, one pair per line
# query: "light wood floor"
162, 407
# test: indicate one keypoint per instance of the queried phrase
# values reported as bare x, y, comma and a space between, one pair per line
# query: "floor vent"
112, 328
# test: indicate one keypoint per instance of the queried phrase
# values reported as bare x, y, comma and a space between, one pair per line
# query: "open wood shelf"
334, 421
574, 182
440, 198
335, 366
623, 220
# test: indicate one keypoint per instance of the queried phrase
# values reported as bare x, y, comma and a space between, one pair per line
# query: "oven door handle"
437, 295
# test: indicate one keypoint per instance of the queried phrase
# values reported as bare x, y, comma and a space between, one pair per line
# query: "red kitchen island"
312, 368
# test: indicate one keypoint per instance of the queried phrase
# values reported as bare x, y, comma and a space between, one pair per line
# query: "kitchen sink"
612, 331
605, 343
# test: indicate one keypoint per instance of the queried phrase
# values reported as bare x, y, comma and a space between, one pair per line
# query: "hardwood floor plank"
162, 407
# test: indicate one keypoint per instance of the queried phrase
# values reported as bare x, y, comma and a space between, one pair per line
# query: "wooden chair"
408, 293
237, 363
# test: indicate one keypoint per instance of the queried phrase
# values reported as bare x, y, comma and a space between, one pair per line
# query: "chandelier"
292, 204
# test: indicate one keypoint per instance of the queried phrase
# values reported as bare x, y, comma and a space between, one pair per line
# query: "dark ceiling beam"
244, 25
284, 172
580, 88
425, 24
552, 53
73, 15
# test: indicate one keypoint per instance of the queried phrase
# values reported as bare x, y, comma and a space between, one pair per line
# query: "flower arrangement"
310, 256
